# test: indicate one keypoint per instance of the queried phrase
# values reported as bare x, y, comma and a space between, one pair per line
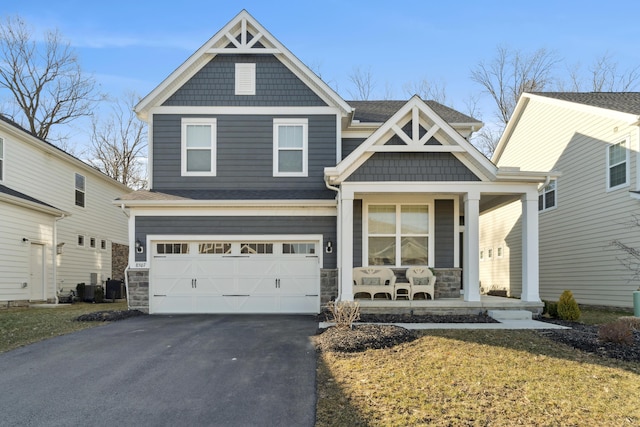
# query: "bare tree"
427, 90
118, 144
511, 73
603, 76
630, 258
363, 84
44, 78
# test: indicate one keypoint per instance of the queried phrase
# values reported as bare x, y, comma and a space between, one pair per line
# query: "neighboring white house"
591, 140
59, 226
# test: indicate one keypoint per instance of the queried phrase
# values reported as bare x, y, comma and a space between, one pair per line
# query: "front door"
36, 279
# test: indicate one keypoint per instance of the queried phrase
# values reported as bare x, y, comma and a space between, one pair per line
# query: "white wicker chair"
422, 280
373, 281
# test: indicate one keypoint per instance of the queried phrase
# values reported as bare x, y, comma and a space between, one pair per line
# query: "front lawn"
22, 326
477, 377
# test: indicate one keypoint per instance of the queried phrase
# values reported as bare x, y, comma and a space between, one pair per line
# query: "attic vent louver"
245, 79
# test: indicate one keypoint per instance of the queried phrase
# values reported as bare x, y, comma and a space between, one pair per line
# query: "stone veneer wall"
119, 260
448, 282
138, 281
328, 285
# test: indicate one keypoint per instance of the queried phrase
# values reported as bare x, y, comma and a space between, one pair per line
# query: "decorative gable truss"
242, 35
415, 128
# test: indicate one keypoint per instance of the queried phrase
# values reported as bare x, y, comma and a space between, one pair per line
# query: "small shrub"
620, 332
568, 307
98, 295
344, 313
551, 308
80, 291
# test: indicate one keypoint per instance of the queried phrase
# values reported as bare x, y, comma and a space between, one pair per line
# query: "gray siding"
357, 233
197, 225
443, 233
350, 144
214, 85
413, 167
244, 154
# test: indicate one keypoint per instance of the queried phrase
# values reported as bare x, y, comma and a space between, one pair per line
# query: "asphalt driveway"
191, 370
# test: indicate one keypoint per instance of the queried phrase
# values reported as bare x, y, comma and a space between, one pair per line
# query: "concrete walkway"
509, 319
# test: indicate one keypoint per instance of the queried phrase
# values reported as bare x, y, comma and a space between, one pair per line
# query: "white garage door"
234, 277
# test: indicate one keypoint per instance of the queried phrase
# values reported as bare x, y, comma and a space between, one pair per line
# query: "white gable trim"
462, 149
239, 26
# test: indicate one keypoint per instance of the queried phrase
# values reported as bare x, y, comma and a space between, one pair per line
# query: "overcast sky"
135, 45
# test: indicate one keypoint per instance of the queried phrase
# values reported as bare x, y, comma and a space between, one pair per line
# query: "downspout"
126, 270
547, 180
55, 257
338, 235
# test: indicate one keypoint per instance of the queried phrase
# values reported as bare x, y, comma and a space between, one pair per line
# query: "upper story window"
547, 197
618, 165
1, 159
245, 79
198, 147
80, 190
398, 234
290, 156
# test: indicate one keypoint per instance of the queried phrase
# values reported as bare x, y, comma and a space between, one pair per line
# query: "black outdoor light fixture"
139, 247
329, 247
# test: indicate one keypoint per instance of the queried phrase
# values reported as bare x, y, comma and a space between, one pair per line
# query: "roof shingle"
625, 102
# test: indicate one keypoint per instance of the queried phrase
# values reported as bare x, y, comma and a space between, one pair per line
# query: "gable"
214, 85
417, 139
243, 35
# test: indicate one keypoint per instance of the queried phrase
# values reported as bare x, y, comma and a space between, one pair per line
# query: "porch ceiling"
489, 202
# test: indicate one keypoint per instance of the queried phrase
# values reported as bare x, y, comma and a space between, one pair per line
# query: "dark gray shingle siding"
244, 155
412, 167
214, 85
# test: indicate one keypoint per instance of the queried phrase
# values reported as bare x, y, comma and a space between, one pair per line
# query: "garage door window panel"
172, 248
256, 248
217, 248
299, 248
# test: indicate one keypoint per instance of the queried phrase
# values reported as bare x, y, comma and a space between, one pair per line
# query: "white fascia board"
447, 187
32, 205
508, 130
235, 211
245, 110
226, 203
526, 176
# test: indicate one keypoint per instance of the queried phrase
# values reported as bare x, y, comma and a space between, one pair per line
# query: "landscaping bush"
620, 332
344, 313
80, 291
568, 307
550, 308
98, 295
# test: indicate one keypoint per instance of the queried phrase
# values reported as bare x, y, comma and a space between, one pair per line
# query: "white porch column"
471, 263
346, 246
530, 261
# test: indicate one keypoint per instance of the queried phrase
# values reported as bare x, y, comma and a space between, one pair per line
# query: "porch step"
501, 315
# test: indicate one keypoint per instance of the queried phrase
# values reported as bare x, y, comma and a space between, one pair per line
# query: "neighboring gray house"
592, 140
267, 187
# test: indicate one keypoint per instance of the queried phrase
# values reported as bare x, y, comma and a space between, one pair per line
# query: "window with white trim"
245, 79
92, 242
398, 234
490, 253
80, 240
103, 245
198, 147
618, 165
290, 156
500, 251
547, 197
1, 159
80, 193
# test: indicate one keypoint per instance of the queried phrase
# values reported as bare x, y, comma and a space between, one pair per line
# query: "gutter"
338, 246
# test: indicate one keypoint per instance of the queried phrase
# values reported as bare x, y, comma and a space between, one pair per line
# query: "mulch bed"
109, 315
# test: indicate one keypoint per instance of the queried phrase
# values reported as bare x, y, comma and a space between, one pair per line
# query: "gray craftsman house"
267, 189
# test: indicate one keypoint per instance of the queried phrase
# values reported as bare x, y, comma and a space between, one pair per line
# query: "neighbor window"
103, 244
1, 159
617, 162
198, 147
500, 251
80, 190
398, 234
92, 242
547, 197
80, 240
290, 147
245, 79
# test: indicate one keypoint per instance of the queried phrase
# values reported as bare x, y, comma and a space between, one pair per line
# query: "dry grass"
466, 377
22, 326
600, 316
